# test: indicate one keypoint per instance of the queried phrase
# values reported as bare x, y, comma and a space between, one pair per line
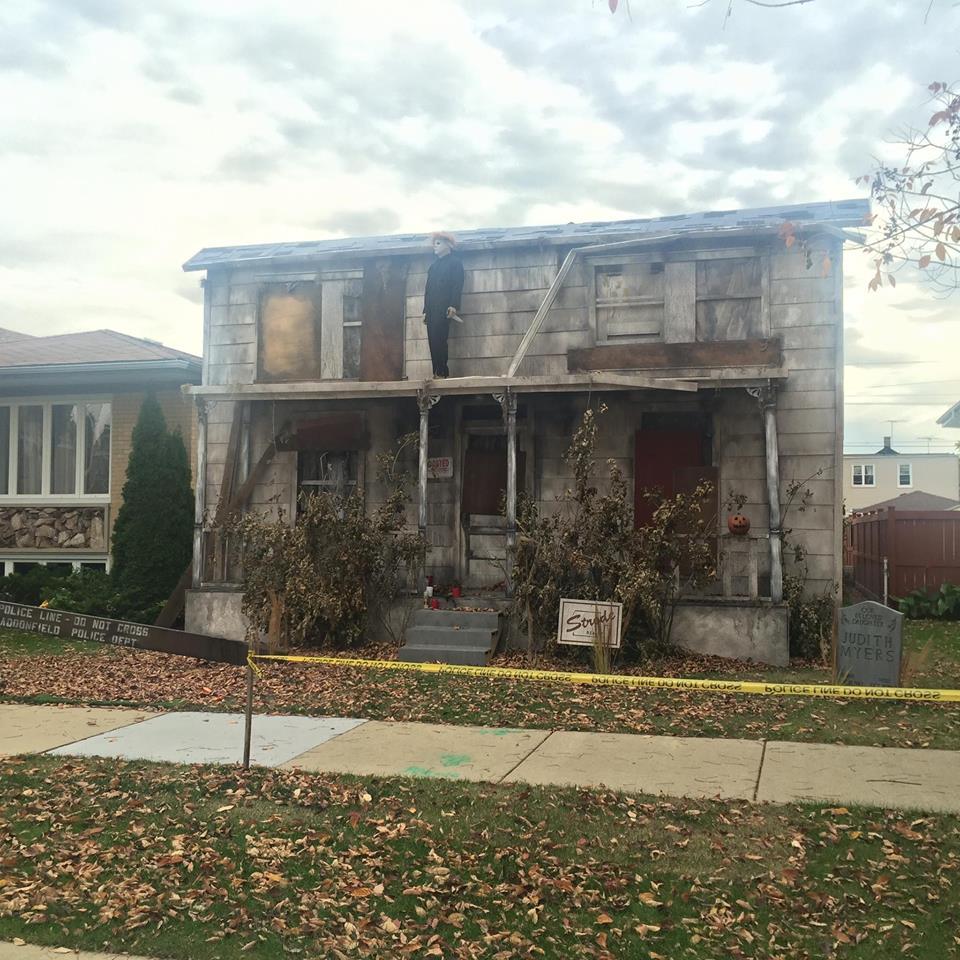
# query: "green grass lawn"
201, 863
31, 670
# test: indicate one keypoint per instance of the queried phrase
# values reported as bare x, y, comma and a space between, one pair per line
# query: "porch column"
424, 402
767, 396
508, 401
200, 490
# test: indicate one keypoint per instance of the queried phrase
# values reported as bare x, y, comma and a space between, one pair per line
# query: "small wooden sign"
440, 468
869, 645
120, 633
580, 621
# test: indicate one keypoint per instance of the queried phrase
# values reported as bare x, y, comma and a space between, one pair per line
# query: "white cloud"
136, 134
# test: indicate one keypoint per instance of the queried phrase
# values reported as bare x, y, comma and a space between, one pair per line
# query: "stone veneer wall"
79, 528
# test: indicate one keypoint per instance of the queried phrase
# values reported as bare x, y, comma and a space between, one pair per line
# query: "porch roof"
683, 381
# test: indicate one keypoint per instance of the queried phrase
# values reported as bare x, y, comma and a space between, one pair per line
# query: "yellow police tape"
624, 680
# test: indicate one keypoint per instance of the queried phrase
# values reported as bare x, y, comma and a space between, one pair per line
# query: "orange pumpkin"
738, 524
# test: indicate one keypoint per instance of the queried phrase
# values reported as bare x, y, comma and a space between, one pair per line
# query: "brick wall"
179, 413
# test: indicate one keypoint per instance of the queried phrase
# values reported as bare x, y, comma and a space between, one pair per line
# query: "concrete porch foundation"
216, 612
737, 628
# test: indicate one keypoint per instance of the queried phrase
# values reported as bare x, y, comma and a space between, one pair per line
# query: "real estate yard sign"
869, 645
582, 622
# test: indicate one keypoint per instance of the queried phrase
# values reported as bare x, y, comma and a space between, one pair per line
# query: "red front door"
671, 461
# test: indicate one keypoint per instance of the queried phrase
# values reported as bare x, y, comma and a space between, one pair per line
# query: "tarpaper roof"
843, 213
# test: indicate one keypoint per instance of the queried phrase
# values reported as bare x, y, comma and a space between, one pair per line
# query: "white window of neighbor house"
55, 450
863, 475
30, 449
96, 448
63, 447
4, 450
904, 475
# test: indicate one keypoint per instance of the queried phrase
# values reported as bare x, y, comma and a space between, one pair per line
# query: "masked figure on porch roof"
441, 302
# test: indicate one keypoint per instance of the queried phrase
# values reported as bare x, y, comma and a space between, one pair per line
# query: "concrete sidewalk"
25, 951
756, 770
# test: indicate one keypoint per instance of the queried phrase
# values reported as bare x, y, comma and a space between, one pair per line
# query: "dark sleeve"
456, 285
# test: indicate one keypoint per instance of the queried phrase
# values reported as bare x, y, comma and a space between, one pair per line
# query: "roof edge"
819, 214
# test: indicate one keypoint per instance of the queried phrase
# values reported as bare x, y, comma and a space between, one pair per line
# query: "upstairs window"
729, 299
863, 475
55, 449
310, 330
628, 301
904, 475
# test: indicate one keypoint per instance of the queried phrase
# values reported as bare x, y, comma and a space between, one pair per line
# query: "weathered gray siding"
502, 292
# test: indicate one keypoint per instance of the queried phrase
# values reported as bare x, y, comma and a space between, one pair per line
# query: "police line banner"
817, 690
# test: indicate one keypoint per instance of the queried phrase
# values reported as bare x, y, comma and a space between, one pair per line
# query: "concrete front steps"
451, 636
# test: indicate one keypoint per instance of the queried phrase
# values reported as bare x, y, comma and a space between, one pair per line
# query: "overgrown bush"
326, 576
153, 534
84, 591
811, 617
92, 592
942, 605
589, 548
34, 586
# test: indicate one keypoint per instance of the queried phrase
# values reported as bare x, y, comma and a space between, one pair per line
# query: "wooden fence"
921, 550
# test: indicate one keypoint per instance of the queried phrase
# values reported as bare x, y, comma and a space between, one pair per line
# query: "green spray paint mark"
501, 731
432, 774
454, 759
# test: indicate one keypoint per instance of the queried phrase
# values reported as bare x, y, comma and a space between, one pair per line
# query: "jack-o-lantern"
738, 524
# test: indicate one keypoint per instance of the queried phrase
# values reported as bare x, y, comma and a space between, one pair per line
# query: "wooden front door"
669, 460
481, 508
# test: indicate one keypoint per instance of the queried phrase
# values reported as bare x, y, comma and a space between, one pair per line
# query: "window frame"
331, 290
47, 403
45, 557
601, 262
909, 482
863, 474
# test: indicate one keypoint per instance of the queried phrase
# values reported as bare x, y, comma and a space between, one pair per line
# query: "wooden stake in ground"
248, 720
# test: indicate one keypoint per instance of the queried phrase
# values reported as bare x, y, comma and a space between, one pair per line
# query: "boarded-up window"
729, 300
629, 301
289, 341
352, 291
311, 331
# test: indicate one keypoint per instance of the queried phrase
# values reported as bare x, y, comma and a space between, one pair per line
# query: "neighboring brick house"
68, 405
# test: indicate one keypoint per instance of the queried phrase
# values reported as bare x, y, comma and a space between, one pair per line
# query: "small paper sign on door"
583, 622
439, 468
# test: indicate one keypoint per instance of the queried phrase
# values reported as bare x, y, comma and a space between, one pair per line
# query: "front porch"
483, 442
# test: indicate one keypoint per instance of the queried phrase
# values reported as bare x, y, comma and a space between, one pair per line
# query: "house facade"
714, 340
869, 479
68, 406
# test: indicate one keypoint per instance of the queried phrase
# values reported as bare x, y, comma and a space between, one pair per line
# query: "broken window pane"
332, 470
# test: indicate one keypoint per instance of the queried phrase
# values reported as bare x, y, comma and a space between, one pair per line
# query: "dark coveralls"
444, 286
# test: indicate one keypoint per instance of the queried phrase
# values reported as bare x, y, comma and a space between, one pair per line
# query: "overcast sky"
133, 134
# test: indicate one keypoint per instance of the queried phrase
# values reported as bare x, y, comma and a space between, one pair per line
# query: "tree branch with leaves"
918, 200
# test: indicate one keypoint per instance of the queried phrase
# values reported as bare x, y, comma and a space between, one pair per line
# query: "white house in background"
951, 418
869, 479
